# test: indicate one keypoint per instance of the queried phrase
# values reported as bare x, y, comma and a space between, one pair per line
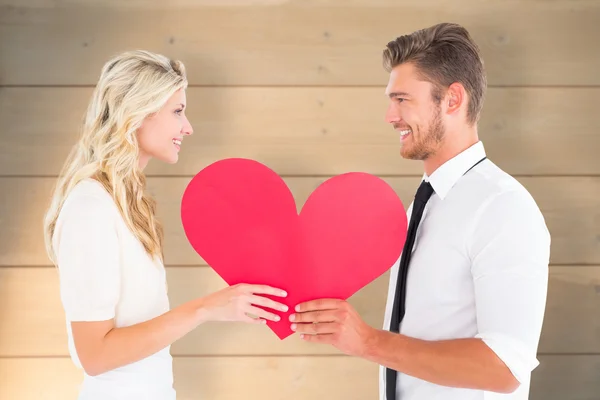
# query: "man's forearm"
465, 363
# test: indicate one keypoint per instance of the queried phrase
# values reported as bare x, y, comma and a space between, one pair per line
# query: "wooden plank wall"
299, 86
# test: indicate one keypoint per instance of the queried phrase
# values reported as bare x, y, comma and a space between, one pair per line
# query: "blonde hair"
133, 86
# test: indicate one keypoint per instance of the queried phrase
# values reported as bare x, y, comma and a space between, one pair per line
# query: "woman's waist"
153, 373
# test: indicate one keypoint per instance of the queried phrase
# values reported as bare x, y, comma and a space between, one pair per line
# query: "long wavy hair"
133, 86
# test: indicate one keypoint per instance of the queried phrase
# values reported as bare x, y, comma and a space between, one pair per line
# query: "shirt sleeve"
87, 249
510, 253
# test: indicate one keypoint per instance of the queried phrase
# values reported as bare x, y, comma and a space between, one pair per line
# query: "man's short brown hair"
443, 54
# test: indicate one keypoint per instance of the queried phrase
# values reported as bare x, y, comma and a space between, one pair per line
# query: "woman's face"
160, 135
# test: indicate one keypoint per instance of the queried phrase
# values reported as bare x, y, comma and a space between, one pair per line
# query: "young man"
467, 298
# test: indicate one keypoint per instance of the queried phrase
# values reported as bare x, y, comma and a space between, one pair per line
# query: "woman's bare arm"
101, 347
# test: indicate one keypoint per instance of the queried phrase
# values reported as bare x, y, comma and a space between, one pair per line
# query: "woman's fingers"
263, 289
251, 299
260, 313
265, 302
253, 319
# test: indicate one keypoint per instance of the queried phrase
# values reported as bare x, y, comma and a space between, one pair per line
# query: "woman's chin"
168, 159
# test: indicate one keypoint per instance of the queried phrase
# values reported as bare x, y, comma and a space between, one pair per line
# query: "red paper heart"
242, 219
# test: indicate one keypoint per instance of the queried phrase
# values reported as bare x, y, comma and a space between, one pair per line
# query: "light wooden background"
299, 86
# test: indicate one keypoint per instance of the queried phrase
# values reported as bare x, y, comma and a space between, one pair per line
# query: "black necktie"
423, 194
421, 197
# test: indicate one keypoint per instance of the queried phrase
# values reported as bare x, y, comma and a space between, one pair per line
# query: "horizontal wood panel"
312, 131
570, 206
209, 378
132, 4
343, 378
33, 323
155, 3
561, 377
572, 319
242, 45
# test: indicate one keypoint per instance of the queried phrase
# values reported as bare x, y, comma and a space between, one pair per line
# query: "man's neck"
452, 146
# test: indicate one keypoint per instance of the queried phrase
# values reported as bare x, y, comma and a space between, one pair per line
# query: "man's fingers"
314, 316
320, 304
324, 339
317, 329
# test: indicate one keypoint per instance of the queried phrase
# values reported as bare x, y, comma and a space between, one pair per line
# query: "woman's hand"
239, 303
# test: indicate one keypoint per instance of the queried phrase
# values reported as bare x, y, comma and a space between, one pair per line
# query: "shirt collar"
446, 176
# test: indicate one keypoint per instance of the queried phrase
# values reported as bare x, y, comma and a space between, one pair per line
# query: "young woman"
102, 234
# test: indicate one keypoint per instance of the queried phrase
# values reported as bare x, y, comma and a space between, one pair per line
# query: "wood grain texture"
570, 206
312, 131
297, 85
562, 377
33, 322
50, 43
210, 378
159, 4
571, 377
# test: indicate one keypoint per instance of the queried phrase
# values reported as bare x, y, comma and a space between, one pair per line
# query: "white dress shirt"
479, 270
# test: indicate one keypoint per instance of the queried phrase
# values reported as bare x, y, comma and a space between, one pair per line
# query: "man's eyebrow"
396, 94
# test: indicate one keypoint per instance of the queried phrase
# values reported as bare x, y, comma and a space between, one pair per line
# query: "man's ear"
455, 98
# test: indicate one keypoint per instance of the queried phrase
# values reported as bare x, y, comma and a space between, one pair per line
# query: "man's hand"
334, 322
465, 362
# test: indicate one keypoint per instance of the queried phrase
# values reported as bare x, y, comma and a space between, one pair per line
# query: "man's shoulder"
493, 181
505, 196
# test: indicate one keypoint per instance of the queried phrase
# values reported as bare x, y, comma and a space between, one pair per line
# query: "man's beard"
423, 146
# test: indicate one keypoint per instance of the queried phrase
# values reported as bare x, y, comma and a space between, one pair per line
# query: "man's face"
414, 114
